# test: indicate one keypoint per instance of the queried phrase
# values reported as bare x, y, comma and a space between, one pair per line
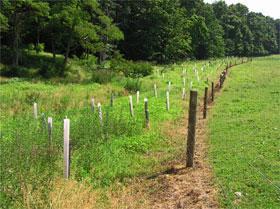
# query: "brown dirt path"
183, 187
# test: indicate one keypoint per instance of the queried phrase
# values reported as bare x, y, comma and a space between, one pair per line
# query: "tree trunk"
16, 49
102, 56
53, 50
278, 29
16, 42
66, 56
37, 40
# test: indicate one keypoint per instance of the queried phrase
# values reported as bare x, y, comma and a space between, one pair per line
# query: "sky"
267, 7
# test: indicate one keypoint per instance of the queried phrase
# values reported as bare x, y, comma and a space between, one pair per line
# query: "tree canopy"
153, 30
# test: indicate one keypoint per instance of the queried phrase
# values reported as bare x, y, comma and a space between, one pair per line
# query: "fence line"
192, 115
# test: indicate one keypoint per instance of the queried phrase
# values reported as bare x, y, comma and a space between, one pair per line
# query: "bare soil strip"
183, 187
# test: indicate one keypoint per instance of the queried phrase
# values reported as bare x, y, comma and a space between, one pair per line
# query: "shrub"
16, 71
74, 74
131, 69
11, 80
39, 48
133, 85
102, 76
89, 63
32, 97
30, 47
139, 69
48, 70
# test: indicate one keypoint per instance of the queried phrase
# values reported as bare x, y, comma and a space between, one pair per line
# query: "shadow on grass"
32, 64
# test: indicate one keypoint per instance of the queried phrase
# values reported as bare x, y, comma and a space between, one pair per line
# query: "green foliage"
33, 65
19, 14
3, 23
277, 24
138, 69
40, 47
163, 31
133, 85
263, 43
156, 27
246, 33
130, 68
102, 76
85, 23
30, 47
200, 35
88, 63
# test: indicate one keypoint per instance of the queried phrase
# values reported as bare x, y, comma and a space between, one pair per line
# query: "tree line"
154, 30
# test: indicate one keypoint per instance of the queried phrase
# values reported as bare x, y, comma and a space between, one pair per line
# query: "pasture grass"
244, 136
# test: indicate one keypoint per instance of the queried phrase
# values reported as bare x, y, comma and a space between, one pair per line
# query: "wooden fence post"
147, 116
100, 113
92, 104
212, 91
205, 102
167, 101
155, 90
35, 110
66, 148
137, 97
191, 128
221, 81
131, 106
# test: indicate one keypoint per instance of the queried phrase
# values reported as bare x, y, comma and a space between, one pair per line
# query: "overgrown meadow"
101, 153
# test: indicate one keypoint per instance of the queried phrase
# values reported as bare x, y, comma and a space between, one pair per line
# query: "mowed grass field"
101, 155
244, 130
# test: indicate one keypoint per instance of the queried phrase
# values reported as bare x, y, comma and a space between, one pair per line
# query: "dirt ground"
183, 187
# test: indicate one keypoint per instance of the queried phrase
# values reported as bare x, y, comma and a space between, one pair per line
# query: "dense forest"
163, 31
